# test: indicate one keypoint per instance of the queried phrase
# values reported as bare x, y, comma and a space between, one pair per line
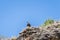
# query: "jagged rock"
49, 32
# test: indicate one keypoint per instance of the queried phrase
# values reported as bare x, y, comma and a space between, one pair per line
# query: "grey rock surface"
49, 32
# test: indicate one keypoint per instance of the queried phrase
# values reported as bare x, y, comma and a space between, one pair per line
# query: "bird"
28, 24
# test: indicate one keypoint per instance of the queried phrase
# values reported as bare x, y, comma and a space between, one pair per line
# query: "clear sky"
14, 14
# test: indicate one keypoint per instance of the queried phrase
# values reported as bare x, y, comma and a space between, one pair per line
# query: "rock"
49, 32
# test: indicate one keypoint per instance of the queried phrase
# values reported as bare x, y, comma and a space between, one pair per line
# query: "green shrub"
49, 21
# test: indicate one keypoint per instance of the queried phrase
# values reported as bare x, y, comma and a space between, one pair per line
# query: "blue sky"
14, 14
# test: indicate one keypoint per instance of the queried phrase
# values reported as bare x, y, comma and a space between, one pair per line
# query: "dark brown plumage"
28, 24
